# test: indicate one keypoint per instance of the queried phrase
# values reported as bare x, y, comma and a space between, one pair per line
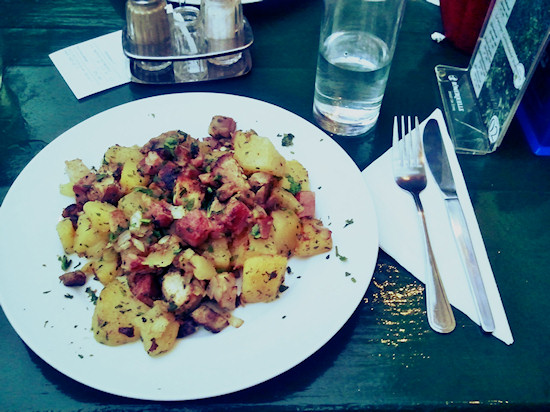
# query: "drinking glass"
356, 48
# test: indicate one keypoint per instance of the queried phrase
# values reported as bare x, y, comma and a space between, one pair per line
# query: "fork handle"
440, 314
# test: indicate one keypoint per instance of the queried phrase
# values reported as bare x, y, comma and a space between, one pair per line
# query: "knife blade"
438, 162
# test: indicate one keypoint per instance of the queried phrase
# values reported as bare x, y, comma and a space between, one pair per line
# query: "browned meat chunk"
103, 188
233, 181
150, 164
76, 278
144, 287
210, 319
222, 126
72, 212
165, 144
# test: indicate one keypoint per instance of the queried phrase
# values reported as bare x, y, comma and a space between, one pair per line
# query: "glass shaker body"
223, 27
148, 28
189, 40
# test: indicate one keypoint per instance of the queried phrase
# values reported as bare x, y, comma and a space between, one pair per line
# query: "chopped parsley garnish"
295, 186
100, 176
282, 288
170, 145
65, 262
338, 255
92, 294
145, 190
114, 236
287, 139
352, 278
348, 222
69, 296
188, 204
255, 231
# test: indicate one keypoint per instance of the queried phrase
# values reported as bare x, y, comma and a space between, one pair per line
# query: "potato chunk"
130, 176
66, 234
313, 239
92, 232
257, 154
76, 170
283, 199
158, 329
218, 253
115, 311
107, 267
133, 202
201, 267
295, 177
119, 155
286, 228
262, 278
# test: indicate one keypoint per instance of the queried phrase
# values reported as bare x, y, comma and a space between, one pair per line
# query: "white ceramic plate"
324, 291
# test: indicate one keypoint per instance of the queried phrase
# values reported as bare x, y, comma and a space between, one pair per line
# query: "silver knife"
441, 170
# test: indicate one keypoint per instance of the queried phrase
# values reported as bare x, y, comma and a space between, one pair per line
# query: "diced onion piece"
233, 320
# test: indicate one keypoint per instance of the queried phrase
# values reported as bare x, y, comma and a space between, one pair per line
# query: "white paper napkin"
401, 234
94, 65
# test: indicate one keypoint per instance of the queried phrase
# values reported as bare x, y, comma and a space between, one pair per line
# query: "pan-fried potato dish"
181, 231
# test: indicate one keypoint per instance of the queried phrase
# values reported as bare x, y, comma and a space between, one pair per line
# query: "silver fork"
410, 175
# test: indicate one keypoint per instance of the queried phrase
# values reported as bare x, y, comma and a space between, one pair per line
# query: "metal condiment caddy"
169, 45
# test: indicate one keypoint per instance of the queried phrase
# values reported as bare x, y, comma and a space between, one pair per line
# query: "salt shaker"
223, 26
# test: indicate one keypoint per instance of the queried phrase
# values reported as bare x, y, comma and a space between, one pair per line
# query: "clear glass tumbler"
189, 40
356, 48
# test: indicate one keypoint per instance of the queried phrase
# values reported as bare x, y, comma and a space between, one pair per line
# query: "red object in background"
463, 20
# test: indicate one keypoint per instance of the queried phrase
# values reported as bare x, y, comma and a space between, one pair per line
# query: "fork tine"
395, 132
404, 148
418, 151
408, 152
397, 152
418, 141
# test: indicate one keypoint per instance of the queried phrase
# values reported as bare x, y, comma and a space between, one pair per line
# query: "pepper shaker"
223, 26
148, 28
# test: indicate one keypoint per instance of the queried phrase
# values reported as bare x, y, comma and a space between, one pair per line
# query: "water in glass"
351, 78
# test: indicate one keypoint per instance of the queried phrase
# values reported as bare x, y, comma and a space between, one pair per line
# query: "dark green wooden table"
385, 357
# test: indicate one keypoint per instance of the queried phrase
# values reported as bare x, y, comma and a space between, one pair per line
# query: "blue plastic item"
534, 111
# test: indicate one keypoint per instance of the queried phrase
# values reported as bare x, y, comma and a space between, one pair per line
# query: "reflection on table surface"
386, 356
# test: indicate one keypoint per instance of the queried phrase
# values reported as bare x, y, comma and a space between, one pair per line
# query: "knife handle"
462, 234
